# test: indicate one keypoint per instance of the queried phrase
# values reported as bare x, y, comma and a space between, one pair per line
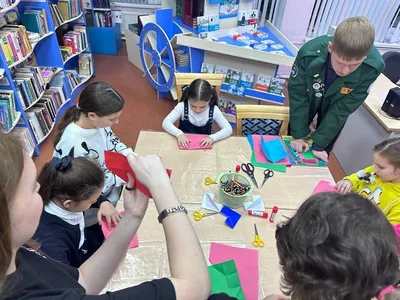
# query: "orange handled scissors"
258, 242
197, 216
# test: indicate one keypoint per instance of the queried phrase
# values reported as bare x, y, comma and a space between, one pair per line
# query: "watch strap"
171, 210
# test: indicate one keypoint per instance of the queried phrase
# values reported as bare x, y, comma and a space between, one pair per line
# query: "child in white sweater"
86, 127
196, 113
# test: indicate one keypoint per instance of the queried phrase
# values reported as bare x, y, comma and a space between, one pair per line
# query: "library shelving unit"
46, 53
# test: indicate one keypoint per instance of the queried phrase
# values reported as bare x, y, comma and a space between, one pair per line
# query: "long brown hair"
77, 180
98, 97
11, 167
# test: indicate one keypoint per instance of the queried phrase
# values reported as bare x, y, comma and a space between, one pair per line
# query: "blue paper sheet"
232, 216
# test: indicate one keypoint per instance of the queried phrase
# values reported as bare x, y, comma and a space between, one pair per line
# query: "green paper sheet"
274, 167
225, 279
308, 155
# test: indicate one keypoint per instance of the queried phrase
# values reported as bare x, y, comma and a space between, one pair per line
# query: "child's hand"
344, 186
299, 145
322, 155
183, 141
135, 202
207, 142
110, 214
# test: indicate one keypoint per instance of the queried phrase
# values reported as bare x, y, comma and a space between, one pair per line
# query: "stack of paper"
246, 261
225, 279
324, 186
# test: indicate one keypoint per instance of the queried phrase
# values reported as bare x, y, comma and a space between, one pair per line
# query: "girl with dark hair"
196, 112
68, 187
86, 127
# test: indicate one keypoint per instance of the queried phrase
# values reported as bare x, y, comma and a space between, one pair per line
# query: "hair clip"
61, 164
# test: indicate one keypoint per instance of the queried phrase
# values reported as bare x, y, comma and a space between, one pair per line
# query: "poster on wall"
228, 9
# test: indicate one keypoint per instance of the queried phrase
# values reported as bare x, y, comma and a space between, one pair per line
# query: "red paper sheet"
324, 186
133, 244
194, 142
118, 164
246, 261
260, 157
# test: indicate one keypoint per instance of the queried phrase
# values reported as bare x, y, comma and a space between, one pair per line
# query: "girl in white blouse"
196, 113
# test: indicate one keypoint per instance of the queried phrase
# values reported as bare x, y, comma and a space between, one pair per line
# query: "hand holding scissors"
267, 174
209, 181
197, 216
258, 242
249, 170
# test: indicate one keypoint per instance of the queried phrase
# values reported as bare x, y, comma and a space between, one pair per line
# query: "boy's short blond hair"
354, 38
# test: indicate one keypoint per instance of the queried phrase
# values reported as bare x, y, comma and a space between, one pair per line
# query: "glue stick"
261, 214
273, 214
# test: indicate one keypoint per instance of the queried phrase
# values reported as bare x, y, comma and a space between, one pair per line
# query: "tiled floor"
142, 110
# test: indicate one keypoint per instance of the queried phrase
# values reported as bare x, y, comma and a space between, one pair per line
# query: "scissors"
267, 174
249, 170
258, 242
210, 181
197, 216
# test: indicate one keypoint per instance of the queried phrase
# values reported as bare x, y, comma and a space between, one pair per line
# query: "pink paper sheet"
194, 142
133, 244
306, 160
260, 157
246, 261
324, 186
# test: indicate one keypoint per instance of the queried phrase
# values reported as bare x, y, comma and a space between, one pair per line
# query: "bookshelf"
40, 82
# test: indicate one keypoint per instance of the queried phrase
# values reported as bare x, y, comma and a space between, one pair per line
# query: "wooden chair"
182, 79
270, 112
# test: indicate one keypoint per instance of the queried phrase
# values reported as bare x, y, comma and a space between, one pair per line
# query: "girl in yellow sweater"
380, 182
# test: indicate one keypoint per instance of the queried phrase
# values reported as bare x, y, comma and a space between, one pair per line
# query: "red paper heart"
118, 164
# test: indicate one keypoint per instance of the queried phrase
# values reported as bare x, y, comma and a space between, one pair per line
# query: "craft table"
366, 127
189, 169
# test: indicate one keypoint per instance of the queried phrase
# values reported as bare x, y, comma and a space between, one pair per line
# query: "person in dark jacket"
330, 79
68, 186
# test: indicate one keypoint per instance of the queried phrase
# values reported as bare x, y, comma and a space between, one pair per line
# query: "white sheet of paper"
257, 204
208, 203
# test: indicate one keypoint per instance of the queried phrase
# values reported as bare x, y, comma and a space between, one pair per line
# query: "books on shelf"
8, 113
103, 19
101, 3
69, 8
276, 86
30, 84
23, 135
6, 3
48, 73
34, 19
221, 70
74, 42
262, 83
85, 64
74, 78
14, 43
58, 19
42, 115
207, 68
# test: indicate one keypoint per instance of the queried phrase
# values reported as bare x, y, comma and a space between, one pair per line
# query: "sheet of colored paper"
133, 244
274, 167
308, 157
324, 186
246, 261
260, 157
225, 279
194, 142
118, 164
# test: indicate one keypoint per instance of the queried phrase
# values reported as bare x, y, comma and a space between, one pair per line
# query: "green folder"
225, 279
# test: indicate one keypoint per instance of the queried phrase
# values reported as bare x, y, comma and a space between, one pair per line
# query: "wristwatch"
171, 210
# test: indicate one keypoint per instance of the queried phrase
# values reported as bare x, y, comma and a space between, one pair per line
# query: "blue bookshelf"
46, 52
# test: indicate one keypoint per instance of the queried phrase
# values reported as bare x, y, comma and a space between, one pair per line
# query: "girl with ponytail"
86, 128
196, 112
68, 187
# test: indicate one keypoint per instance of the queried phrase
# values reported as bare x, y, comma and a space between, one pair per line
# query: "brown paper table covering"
189, 169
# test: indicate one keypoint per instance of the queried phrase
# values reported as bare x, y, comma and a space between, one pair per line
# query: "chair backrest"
392, 65
265, 112
182, 79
